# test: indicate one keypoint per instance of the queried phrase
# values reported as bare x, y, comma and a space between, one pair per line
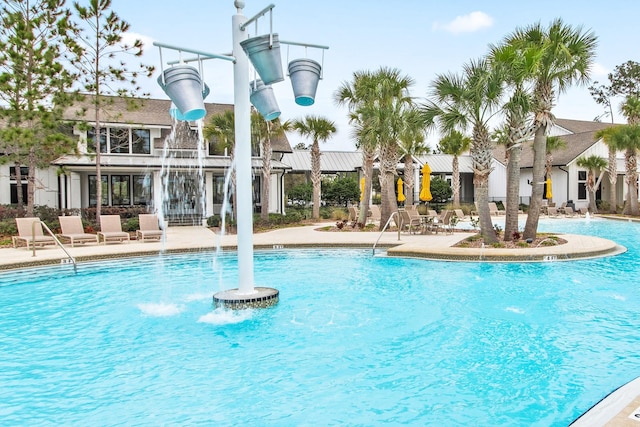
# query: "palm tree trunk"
481, 153
316, 178
368, 157
513, 192
456, 181
266, 177
409, 173
631, 163
591, 190
388, 163
537, 186
613, 180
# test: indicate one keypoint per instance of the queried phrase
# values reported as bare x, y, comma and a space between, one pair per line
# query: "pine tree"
35, 87
102, 73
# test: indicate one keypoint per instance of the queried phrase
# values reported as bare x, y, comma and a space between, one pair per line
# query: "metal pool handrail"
58, 242
385, 227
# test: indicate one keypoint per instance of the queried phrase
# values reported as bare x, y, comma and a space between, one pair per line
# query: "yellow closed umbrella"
425, 191
361, 188
549, 194
401, 197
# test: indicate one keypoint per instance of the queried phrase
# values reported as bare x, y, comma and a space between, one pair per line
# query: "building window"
14, 193
120, 141
582, 185
91, 140
93, 191
142, 190
140, 141
120, 194
24, 172
218, 190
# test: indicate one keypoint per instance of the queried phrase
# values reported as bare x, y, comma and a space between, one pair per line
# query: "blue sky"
421, 38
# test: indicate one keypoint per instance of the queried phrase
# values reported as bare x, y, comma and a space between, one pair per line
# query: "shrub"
214, 221
8, 227
131, 224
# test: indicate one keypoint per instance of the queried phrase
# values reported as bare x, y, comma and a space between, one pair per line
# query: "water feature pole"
242, 112
246, 295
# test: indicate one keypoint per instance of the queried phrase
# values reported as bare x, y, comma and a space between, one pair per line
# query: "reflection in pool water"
355, 340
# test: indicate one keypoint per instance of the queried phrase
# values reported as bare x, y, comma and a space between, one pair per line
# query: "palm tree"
411, 144
359, 96
220, 130
563, 56
377, 102
470, 101
518, 126
263, 130
455, 144
627, 139
554, 143
612, 170
593, 164
318, 129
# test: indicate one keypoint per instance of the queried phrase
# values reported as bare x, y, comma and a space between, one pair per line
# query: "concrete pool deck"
431, 246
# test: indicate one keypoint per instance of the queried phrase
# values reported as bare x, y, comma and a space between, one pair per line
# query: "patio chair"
111, 229
553, 211
353, 213
374, 211
409, 221
444, 222
149, 228
73, 230
569, 212
30, 234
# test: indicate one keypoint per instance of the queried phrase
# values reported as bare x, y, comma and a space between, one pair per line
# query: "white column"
242, 110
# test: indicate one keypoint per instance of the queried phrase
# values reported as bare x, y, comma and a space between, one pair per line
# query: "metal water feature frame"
246, 295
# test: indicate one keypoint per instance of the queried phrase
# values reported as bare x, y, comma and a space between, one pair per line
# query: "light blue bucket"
264, 58
263, 98
304, 75
175, 112
183, 86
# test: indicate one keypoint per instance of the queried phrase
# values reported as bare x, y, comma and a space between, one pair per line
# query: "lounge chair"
111, 229
459, 213
149, 228
494, 211
73, 230
569, 212
552, 211
30, 234
583, 211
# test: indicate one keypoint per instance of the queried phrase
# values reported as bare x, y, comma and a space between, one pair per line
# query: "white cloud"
130, 38
474, 21
598, 70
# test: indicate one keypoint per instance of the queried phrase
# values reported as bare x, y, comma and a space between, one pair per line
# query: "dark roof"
149, 112
580, 138
143, 111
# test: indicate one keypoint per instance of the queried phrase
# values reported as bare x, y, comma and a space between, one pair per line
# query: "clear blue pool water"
355, 340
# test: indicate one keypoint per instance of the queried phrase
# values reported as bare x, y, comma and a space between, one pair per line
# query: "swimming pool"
355, 340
